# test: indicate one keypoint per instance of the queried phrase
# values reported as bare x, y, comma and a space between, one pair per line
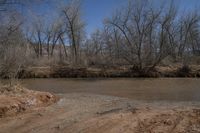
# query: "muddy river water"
167, 89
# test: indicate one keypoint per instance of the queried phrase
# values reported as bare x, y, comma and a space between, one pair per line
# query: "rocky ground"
89, 113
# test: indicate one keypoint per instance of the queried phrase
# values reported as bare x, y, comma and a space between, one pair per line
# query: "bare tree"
136, 24
35, 35
74, 26
188, 33
94, 48
12, 47
164, 45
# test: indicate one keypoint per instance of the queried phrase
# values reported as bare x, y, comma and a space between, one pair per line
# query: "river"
162, 89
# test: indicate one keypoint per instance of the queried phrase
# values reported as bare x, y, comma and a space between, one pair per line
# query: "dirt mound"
13, 90
16, 99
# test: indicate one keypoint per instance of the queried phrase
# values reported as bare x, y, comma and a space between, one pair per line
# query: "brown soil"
87, 113
16, 99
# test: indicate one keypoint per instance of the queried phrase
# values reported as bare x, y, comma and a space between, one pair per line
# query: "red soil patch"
16, 99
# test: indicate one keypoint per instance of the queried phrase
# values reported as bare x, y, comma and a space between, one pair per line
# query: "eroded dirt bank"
89, 113
17, 99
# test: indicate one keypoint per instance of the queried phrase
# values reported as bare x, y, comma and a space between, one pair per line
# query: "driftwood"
109, 111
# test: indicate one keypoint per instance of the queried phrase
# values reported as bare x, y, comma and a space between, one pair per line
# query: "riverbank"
88, 113
17, 99
118, 72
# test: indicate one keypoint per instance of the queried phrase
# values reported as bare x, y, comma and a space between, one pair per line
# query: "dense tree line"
143, 35
140, 34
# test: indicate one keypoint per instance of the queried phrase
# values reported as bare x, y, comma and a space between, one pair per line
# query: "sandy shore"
89, 113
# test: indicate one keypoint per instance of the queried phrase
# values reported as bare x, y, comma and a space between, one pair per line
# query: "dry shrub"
184, 71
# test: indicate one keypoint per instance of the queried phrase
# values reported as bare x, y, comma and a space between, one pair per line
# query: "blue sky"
94, 11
